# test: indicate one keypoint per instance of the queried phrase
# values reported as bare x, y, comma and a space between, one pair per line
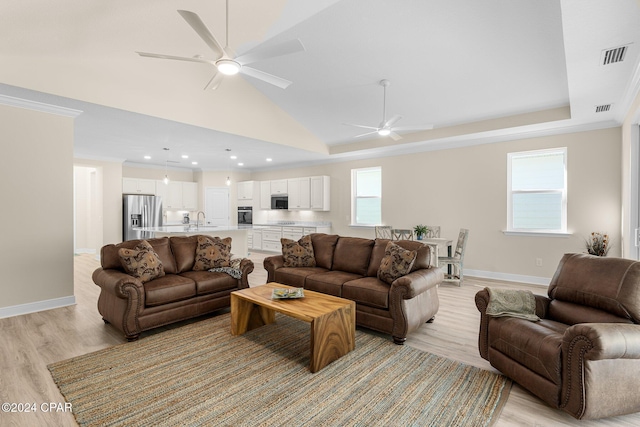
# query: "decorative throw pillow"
396, 262
212, 252
298, 254
141, 262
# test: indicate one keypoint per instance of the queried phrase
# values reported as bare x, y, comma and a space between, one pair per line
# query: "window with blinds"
537, 191
366, 196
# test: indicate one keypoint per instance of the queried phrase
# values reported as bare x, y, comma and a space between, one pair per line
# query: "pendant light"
228, 181
166, 176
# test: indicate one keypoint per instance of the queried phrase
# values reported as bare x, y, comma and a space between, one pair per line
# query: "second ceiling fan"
226, 62
386, 127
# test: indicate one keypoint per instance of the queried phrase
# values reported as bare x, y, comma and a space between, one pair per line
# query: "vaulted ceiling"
479, 72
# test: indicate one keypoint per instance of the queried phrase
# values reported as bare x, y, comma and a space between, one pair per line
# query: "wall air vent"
611, 56
603, 108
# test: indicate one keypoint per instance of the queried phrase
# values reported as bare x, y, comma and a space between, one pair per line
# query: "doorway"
87, 212
216, 206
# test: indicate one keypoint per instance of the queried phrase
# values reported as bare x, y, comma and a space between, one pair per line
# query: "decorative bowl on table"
286, 293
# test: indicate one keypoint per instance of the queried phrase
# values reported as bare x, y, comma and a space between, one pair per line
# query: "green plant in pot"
421, 231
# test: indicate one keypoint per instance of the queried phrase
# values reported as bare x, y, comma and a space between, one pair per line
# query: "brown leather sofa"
583, 356
133, 307
347, 267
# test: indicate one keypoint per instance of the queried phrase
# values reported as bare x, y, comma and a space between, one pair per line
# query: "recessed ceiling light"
269, 159
194, 163
233, 157
240, 164
184, 156
147, 157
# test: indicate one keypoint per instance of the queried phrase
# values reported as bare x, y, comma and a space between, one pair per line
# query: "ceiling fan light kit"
228, 67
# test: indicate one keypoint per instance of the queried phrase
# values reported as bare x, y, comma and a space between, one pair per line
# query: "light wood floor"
28, 343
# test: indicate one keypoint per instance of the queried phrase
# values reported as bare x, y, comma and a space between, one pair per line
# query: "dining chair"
401, 234
433, 231
383, 232
456, 260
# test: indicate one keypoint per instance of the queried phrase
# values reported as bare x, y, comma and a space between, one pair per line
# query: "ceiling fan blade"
391, 121
395, 136
404, 128
361, 126
214, 82
202, 30
260, 53
178, 58
266, 77
365, 134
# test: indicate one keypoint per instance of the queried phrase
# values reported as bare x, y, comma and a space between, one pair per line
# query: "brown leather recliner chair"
583, 356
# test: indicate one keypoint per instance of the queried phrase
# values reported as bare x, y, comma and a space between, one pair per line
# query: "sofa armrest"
601, 341
246, 266
600, 363
482, 301
417, 282
271, 264
118, 283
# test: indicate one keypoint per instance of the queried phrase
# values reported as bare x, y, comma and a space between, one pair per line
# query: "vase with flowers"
597, 244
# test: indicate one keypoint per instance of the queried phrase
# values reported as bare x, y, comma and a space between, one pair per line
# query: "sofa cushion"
323, 247
212, 252
295, 276
209, 282
352, 255
396, 263
423, 254
141, 262
329, 282
368, 291
536, 345
298, 254
109, 258
604, 283
184, 251
169, 288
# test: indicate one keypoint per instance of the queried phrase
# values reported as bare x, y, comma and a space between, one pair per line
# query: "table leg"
332, 336
246, 315
449, 255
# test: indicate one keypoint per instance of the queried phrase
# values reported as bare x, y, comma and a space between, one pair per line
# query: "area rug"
199, 374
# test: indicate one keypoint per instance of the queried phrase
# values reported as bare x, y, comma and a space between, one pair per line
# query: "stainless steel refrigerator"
140, 211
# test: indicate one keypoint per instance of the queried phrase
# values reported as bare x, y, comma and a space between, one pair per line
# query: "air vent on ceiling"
603, 108
611, 56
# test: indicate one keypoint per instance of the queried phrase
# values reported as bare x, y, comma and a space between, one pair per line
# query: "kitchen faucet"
198, 219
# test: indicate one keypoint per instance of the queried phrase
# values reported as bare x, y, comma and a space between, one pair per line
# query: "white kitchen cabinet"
257, 240
299, 193
320, 193
271, 239
279, 187
293, 233
181, 196
162, 190
245, 190
265, 194
138, 186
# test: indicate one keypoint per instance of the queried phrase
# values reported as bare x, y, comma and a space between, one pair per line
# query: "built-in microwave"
279, 202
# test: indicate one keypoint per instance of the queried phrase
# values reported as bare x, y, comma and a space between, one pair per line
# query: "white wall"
36, 184
466, 187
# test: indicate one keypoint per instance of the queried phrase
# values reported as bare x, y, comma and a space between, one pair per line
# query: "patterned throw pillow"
212, 252
141, 262
396, 262
298, 254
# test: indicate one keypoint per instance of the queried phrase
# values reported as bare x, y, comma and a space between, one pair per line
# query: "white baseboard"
85, 251
32, 307
533, 280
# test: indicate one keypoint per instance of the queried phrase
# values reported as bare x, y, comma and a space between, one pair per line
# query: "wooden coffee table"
333, 319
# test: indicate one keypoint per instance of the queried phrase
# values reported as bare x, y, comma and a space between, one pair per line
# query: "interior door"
216, 206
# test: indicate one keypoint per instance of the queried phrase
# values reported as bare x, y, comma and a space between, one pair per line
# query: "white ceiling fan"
386, 127
226, 62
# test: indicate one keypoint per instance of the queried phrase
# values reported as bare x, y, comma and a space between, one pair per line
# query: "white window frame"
354, 196
563, 191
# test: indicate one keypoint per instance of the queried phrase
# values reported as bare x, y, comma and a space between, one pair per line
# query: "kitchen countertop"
186, 228
295, 224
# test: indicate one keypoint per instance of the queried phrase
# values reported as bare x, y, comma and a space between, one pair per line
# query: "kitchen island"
238, 234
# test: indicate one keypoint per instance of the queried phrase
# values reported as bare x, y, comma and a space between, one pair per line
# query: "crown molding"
12, 101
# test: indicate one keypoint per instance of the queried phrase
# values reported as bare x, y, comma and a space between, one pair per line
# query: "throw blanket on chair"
512, 303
